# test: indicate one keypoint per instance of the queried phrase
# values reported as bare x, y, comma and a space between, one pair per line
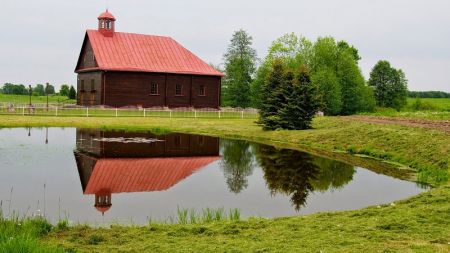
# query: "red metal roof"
145, 53
107, 15
118, 175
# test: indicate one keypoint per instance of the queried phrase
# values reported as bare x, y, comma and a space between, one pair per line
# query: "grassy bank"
22, 235
419, 224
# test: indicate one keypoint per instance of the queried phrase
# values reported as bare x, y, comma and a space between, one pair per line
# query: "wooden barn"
126, 69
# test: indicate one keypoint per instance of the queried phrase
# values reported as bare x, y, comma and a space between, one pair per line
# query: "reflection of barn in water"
119, 162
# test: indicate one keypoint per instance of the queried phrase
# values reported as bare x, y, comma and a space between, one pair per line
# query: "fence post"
242, 114
170, 113
144, 112
219, 114
56, 111
195, 113
23, 110
87, 111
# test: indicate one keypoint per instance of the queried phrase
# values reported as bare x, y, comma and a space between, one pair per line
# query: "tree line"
38, 90
325, 73
333, 67
428, 94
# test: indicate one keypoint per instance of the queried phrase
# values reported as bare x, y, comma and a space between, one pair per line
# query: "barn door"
81, 98
92, 99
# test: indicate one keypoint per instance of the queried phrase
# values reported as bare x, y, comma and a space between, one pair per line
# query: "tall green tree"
290, 49
273, 97
240, 66
19, 89
72, 93
333, 68
301, 101
8, 88
64, 90
390, 85
324, 75
39, 89
49, 89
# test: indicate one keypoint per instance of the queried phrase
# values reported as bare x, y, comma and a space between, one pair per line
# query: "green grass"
192, 216
436, 104
426, 108
25, 99
22, 235
419, 224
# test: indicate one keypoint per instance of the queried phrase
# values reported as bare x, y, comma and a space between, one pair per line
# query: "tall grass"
206, 215
22, 234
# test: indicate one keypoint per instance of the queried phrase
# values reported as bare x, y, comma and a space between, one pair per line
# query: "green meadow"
418, 224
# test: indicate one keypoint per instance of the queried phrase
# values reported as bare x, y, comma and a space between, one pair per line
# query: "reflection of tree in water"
332, 174
237, 164
296, 173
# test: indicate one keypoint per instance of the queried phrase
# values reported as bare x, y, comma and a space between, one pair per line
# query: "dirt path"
441, 125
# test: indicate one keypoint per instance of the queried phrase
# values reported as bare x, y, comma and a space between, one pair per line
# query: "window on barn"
92, 85
103, 24
154, 89
178, 90
82, 85
202, 90
108, 24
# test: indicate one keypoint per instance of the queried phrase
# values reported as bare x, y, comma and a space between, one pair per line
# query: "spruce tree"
286, 90
272, 99
302, 103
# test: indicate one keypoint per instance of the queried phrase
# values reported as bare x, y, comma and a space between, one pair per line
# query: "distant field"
440, 104
6, 98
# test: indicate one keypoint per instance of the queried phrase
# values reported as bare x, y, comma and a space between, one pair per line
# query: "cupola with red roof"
106, 24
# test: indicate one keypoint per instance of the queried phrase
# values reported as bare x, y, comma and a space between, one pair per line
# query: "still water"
98, 177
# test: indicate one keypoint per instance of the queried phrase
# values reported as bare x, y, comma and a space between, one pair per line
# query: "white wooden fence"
79, 111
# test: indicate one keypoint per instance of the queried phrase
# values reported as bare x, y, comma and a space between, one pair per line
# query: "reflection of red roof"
145, 53
140, 175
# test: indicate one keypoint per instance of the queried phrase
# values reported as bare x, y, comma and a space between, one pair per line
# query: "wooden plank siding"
120, 89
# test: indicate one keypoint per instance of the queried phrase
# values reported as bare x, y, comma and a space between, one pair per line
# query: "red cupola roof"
107, 15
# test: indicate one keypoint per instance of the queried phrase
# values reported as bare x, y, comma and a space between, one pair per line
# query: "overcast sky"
40, 40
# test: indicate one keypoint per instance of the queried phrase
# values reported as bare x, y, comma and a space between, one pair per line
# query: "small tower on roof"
106, 24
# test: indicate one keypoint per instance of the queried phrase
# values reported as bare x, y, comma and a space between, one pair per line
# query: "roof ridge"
150, 35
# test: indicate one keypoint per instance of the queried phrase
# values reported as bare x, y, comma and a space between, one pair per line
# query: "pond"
98, 177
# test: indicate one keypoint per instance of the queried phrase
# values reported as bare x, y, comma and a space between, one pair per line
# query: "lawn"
25, 99
419, 224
